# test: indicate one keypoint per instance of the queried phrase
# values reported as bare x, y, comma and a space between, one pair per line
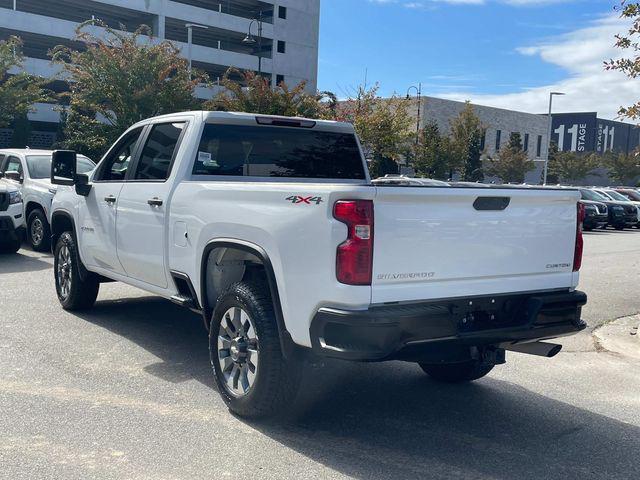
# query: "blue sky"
502, 52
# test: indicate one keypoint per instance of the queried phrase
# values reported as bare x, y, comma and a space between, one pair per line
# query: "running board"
540, 349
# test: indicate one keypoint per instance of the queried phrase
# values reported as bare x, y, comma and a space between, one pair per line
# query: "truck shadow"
20, 263
382, 421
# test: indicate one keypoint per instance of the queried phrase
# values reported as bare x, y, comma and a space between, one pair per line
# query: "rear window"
263, 151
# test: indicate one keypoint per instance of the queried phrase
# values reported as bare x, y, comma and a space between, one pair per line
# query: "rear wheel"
38, 231
74, 292
253, 377
457, 372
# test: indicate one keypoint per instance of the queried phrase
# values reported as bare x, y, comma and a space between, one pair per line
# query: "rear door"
433, 243
142, 206
97, 218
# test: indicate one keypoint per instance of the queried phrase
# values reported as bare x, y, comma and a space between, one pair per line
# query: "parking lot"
124, 391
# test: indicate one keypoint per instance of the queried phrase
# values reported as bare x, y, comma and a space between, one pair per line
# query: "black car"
596, 215
621, 215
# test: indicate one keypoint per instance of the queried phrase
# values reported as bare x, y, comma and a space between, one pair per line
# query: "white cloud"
588, 86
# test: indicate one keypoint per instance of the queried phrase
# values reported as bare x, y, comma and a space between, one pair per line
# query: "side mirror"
83, 187
63, 167
13, 175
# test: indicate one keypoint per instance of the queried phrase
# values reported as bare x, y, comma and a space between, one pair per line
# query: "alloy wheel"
64, 272
238, 351
37, 231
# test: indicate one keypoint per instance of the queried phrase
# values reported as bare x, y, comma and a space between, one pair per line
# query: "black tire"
38, 231
457, 372
275, 380
78, 294
11, 246
619, 227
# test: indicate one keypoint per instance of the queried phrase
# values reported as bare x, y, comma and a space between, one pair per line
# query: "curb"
622, 336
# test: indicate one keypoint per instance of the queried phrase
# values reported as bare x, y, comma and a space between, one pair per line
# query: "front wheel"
253, 377
74, 292
457, 372
38, 231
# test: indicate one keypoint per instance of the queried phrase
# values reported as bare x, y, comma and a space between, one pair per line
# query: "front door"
142, 207
97, 220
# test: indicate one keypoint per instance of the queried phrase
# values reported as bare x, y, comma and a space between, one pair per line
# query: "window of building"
157, 155
539, 147
239, 150
281, 47
279, 79
525, 146
483, 140
498, 135
282, 13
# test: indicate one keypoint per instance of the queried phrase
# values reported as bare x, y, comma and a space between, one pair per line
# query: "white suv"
11, 218
30, 171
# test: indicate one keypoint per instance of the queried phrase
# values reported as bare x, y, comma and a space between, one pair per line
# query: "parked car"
596, 215
612, 194
11, 218
619, 214
271, 228
404, 180
630, 193
30, 170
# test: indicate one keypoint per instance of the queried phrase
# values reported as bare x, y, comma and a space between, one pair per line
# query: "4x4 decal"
297, 200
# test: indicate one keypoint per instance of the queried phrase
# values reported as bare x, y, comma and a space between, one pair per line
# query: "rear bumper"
428, 330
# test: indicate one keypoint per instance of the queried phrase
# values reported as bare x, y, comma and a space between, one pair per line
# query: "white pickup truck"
271, 228
30, 170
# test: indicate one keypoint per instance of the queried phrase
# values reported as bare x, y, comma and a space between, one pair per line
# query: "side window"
2, 157
13, 165
117, 161
157, 154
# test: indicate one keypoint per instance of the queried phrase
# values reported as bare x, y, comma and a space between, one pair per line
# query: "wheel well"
225, 266
227, 262
60, 223
31, 206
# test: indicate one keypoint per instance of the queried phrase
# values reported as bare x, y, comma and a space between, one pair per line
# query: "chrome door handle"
155, 202
110, 199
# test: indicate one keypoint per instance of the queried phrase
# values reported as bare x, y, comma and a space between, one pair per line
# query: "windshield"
40, 166
593, 196
617, 196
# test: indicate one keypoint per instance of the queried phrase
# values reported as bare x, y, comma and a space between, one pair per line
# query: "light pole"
251, 41
418, 90
549, 127
190, 27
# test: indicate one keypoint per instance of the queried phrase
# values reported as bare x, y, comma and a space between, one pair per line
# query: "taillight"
354, 257
577, 256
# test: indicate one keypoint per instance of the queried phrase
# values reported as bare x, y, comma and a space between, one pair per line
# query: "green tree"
118, 79
18, 92
382, 166
570, 167
248, 92
512, 163
21, 132
622, 169
629, 44
433, 156
381, 124
466, 140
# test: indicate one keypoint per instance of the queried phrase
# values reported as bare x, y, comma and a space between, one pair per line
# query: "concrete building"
289, 47
578, 132
499, 123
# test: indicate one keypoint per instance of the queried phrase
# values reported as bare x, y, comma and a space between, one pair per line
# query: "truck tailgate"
433, 243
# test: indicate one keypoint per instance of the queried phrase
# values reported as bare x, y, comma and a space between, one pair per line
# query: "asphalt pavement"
125, 391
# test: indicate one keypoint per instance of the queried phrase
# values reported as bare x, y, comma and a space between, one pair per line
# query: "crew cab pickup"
271, 228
